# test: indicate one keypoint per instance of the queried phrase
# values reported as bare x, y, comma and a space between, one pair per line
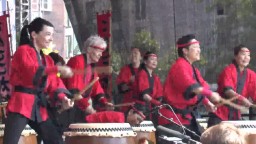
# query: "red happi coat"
124, 78
77, 83
228, 79
27, 75
178, 88
142, 86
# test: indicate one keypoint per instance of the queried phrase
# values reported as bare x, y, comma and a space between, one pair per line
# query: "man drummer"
94, 46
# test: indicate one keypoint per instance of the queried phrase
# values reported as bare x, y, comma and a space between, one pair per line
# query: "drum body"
100, 133
145, 131
28, 136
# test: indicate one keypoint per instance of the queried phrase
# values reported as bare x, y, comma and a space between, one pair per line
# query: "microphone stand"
179, 125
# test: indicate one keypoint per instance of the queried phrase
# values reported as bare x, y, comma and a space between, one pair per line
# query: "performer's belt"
188, 110
38, 92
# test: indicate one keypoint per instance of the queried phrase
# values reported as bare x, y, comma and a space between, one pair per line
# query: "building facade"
55, 12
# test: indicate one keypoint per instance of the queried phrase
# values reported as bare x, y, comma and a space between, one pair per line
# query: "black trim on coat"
188, 94
61, 90
119, 86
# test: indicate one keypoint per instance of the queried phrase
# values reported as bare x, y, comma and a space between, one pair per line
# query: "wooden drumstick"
230, 100
253, 106
78, 96
124, 104
78, 71
236, 106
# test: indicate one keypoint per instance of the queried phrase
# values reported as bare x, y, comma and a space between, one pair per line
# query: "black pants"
15, 124
213, 120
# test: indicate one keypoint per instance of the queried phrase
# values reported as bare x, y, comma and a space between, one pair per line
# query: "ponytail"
24, 35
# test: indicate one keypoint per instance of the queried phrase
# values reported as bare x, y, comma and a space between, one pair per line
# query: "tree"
165, 62
144, 42
116, 61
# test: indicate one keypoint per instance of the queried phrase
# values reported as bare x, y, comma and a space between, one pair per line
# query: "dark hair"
134, 48
57, 58
145, 57
183, 40
36, 25
238, 48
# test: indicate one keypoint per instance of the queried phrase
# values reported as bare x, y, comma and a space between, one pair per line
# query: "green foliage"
164, 63
144, 41
203, 61
116, 61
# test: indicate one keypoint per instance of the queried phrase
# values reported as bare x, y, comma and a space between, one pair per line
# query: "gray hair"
223, 134
94, 40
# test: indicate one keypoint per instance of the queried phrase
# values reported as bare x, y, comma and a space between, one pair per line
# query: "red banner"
103, 66
5, 59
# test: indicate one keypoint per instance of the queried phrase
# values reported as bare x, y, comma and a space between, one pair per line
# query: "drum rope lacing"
144, 125
99, 129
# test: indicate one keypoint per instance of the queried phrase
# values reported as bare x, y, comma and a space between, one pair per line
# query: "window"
68, 43
220, 9
46, 5
68, 22
140, 9
34, 6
